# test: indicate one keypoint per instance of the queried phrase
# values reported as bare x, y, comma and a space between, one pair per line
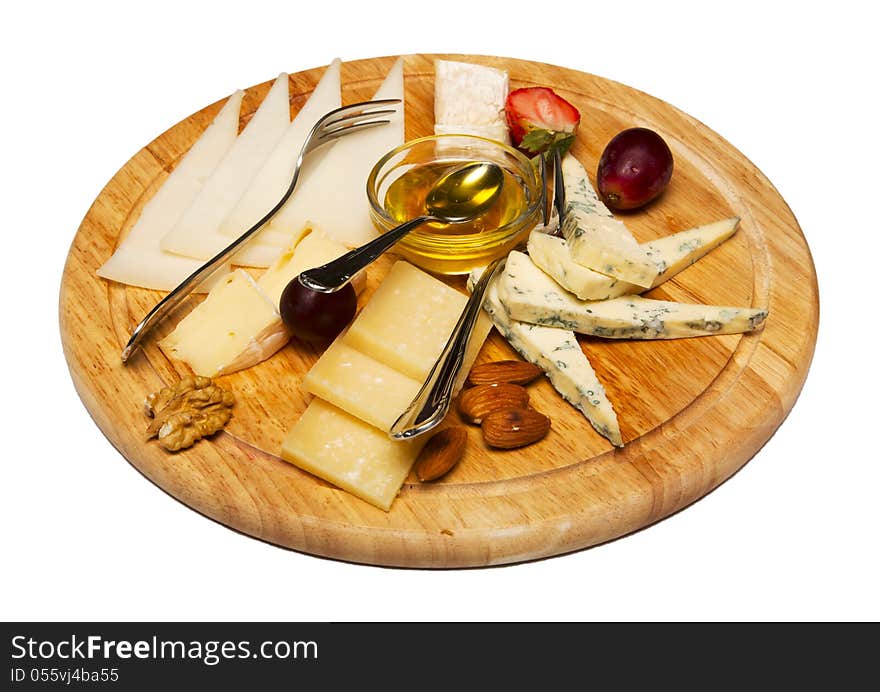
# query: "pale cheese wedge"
139, 261
333, 194
353, 455
470, 99
275, 175
595, 238
558, 353
670, 254
239, 324
529, 295
197, 233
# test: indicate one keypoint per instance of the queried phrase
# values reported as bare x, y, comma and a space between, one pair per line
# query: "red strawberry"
540, 119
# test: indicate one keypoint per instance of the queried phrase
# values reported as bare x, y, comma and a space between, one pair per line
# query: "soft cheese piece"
349, 453
670, 254
197, 232
360, 385
529, 295
239, 325
233, 328
595, 238
333, 194
139, 261
273, 178
469, 99
408, 320
558, 354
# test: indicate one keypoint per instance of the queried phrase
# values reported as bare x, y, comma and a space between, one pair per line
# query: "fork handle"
330, 277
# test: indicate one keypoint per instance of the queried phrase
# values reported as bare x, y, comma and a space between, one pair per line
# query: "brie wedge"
469, 99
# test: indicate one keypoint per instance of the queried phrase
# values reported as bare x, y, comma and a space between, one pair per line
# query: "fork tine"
354, 109
338, 132
355, 117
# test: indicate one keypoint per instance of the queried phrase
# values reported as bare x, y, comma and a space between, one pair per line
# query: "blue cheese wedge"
670, 255
469, 99
596, 239
529, 295
558, 354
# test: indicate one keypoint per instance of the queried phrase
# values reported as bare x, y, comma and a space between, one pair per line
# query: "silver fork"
335, 124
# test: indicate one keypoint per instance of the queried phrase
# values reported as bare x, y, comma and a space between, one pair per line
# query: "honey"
405, 200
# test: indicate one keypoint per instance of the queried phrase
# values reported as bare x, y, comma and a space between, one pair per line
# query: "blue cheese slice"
529, 295
671, 255
469, 99
558, 354
595, 238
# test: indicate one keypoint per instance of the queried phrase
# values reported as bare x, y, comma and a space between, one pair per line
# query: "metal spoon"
460, 195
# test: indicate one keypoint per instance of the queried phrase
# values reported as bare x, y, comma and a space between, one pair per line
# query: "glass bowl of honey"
401, 180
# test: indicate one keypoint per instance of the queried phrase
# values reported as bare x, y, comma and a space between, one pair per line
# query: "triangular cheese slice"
139, 261
196, 234
273, 179
333, 196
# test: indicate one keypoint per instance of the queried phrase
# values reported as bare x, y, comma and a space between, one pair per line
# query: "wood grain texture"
692, 411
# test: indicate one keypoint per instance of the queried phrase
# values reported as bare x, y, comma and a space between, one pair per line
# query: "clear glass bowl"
453, 249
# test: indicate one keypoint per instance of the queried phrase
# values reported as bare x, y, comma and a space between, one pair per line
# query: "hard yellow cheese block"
349, 453
235, 326
360, 385
408, 321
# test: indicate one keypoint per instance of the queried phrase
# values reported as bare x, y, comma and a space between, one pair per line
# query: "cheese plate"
691, 411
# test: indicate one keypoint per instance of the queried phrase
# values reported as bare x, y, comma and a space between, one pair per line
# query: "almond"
512, 371
514, 427
477, 402
441, 453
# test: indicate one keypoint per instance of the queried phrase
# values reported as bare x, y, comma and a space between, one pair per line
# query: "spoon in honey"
458, 196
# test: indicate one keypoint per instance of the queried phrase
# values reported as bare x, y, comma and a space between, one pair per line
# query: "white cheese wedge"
408, 320
275, 175
558, 354
139, 261
239, 325
671, 255
470, 99
233, 328
333, 194
595, 238
343, 450
529, 295
197, 232
360, 385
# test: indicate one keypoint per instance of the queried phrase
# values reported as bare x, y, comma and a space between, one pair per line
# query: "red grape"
314, 316
634, 169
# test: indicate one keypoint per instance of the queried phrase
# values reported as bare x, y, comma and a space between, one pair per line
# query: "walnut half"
187, 411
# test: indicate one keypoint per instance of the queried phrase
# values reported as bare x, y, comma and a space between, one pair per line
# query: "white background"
792, 536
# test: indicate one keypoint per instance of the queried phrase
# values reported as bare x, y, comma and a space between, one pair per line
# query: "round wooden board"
692, 411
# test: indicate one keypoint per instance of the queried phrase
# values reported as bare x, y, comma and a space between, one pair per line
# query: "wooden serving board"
692, 411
